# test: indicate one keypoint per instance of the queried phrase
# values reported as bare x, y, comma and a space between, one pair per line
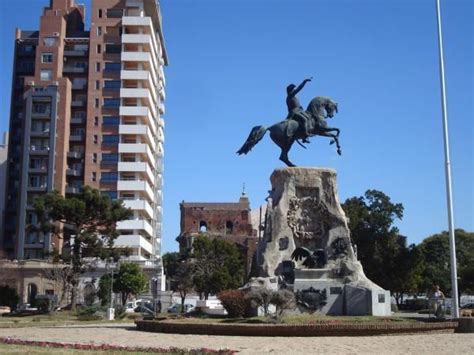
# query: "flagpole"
452, 243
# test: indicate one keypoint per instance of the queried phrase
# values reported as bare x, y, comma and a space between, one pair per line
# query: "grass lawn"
55, 319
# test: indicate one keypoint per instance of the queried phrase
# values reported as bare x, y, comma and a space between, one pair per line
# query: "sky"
230, 62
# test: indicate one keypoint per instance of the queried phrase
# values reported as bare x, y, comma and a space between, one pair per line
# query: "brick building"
87, 109
230, 221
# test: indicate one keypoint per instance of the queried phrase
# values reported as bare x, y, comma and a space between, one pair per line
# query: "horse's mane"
315, 104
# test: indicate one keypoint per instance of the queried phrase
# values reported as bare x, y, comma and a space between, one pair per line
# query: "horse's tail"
255, 136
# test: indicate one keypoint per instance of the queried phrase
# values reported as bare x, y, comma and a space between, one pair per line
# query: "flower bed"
53, 344
324, 329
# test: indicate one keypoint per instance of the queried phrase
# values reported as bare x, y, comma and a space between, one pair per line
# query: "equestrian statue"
298, 125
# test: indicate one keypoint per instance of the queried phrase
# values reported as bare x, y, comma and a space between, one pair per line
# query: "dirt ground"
125, 334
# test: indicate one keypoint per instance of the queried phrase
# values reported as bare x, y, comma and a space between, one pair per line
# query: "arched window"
229, 227
203, 227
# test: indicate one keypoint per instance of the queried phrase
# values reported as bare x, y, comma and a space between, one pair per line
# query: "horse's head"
323, 107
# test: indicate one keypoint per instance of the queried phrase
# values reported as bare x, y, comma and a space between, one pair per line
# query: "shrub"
283, 300
261, 297
234, 302
9, 297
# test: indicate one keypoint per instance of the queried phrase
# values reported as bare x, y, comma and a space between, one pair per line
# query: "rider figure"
295, 111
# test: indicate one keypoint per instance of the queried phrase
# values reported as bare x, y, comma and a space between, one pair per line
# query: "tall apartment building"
87, 109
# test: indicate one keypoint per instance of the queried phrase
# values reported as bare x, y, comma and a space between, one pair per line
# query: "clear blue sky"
230, 62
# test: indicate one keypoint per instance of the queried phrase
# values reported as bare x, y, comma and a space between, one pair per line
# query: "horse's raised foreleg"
334, 137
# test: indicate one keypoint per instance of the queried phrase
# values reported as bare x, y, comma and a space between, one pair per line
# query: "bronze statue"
299, 124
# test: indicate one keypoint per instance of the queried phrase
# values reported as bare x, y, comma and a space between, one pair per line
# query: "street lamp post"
452, 242
111, 310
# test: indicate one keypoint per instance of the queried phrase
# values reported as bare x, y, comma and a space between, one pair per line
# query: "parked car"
130, 306
4, 310
468, 306
176, 308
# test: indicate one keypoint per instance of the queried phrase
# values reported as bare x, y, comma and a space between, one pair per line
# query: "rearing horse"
286, 132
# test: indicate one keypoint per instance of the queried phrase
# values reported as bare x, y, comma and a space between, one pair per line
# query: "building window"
94, 155
113, 48
94, 176
112, 84
47, 58
99, 31
110, 158
97, 67
109, 177
100, 13
99, 48
49, 41
110, 139
96, 103
111, 103
110, 66
229, 227
111, 120
97, 84
114, 13
46, 75
202, 227
96, 140
96, 121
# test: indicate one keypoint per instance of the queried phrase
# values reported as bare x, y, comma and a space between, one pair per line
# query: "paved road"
125, 334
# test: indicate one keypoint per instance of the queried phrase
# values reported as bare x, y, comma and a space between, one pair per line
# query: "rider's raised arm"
299, 87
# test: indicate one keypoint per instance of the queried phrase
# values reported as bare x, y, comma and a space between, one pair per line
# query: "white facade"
140, 164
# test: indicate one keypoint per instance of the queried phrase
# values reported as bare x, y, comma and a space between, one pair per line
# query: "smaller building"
230, 221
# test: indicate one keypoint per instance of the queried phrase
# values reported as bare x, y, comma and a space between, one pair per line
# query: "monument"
306, 245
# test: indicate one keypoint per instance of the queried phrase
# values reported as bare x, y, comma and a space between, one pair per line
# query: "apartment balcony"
76, 137
74, 172
139, 111
43, 133
78, 103
136, 185
75, 53
135, 224
137, 93
136, 167
141, 38
134, 241
41, 188
139, 205
138, 129
37, 245
139, 148
73, 189
78, 120
75, 70
137, 21
161, 122
39, 151
128, 56
79, 86
75, 155
38, 170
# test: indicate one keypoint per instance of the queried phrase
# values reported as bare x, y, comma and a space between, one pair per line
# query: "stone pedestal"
304, 212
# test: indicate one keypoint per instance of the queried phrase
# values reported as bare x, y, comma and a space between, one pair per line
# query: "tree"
283, 300
437, 265
104, 289
217, 266
88, 221
260, 297
9, 297
130, 280
61, 274
179, 274
383, 252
